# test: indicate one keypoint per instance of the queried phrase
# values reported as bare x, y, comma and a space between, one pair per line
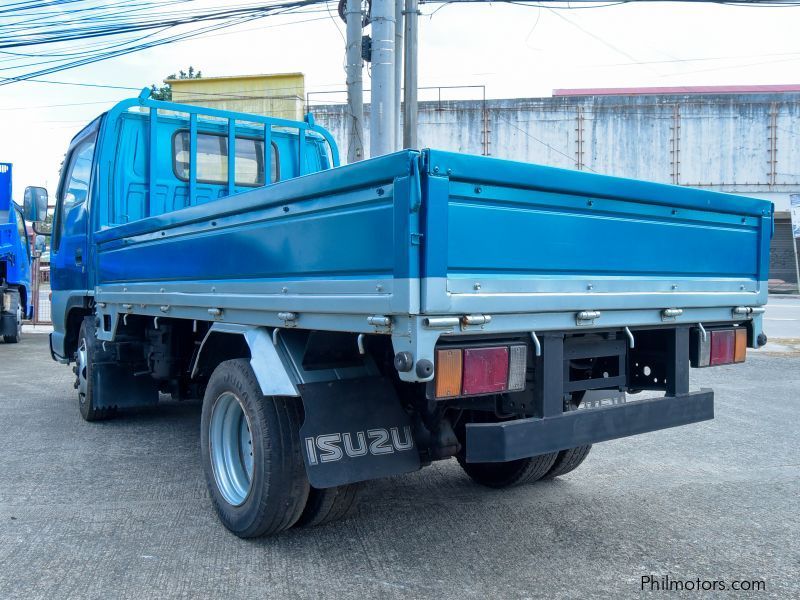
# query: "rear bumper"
521, 438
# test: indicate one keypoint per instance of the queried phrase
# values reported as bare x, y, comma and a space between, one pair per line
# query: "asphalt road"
782, 319
120, 509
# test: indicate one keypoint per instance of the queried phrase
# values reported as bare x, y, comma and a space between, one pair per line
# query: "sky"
515, 51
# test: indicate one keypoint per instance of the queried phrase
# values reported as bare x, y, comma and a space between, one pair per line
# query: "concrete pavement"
120, 509
782, 319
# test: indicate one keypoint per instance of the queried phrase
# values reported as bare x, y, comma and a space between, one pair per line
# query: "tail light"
448, 373
740, 346
722, 346
719, 347
485, 370
476, 371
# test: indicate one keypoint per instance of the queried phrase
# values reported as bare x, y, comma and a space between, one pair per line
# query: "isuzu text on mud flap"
365, 320
335, 446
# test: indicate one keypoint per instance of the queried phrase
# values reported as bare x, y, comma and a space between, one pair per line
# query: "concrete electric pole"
410, 75
398, 71
355, 85
382, 117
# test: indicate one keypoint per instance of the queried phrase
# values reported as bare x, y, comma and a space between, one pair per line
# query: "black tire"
568, 460
506, 474
85, 357
15, 308
328, 505
277, 488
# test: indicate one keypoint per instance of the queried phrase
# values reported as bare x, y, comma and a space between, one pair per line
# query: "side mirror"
40, 245
35, 204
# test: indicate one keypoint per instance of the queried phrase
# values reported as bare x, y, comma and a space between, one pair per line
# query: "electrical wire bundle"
42, 37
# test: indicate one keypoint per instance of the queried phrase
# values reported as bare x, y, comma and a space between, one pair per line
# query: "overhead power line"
40, 38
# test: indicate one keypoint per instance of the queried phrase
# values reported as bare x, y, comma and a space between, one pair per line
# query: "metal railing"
225, 116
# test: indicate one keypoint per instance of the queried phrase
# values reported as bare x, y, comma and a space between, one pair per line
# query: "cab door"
69, 251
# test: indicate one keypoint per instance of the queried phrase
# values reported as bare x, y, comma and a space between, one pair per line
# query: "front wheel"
15, 309
85, 358
250, 450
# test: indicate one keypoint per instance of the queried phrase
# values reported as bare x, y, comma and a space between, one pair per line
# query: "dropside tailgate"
510, 237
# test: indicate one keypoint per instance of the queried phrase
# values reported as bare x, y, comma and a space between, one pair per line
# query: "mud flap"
355, 430
116, 386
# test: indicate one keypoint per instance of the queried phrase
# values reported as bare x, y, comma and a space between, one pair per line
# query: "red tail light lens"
486, 370
722, 347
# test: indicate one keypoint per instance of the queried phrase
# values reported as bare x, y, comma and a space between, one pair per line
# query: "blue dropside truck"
15, 263
345, 323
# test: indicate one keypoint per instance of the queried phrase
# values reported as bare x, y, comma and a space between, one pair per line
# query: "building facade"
280, 95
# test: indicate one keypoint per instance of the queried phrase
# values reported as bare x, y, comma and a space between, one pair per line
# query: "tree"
164, 92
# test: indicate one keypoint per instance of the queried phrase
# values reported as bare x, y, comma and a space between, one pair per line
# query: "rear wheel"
15, 309
507, 474
570, 459
329, 505
85, 357
251, 453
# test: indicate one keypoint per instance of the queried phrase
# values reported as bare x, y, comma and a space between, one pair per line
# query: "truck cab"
103, 186
15, 263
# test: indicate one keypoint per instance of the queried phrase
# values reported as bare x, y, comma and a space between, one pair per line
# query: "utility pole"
354, 125
410, 75
382, 116
398, 71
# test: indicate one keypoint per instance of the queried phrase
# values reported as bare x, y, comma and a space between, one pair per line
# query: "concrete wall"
740, 143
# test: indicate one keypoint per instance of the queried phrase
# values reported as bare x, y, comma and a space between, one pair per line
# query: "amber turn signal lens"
740, 350
448, 373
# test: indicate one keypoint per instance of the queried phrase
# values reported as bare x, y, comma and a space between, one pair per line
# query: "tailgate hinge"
587, 317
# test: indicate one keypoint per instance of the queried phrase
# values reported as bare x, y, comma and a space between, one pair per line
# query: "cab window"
23, 232
74, 189
212, 159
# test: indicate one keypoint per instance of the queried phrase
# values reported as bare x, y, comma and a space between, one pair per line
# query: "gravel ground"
120, 509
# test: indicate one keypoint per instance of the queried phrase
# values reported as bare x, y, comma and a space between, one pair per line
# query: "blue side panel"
14, 252
329, 225
484, 170
345, 242
13, 248
5, 186
8, 238
537, 240
508, 237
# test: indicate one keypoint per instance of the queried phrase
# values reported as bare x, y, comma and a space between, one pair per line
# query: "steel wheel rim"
231, 449
19, 321
81, 360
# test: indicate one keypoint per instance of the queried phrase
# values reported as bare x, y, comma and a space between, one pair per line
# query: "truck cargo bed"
440, 233
521, 237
